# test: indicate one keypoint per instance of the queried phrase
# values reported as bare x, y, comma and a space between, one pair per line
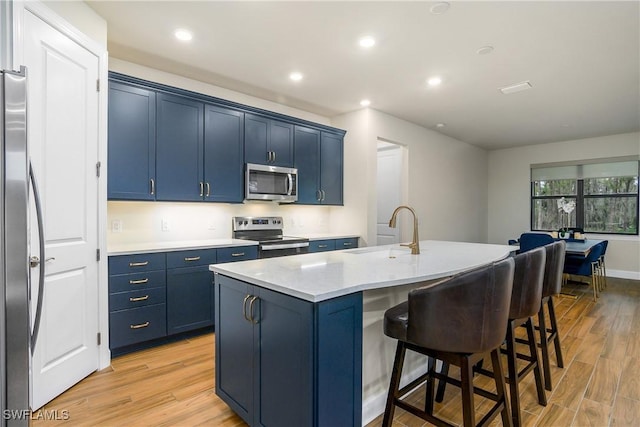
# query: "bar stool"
554, 266
458, 320
525, 303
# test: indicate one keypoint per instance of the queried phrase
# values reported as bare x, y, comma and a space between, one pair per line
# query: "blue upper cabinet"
331, 168
319, 160
132, 142
223, 154
307, 161
179, 149
268, 141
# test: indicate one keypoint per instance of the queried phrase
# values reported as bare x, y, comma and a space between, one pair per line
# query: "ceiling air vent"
518, 87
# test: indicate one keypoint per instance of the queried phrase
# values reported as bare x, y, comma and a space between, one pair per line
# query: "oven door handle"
284, 246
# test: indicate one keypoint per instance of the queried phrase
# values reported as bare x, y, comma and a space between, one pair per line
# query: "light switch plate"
165, 224
116, 226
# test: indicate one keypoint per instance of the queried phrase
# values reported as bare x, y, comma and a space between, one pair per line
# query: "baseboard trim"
622, 274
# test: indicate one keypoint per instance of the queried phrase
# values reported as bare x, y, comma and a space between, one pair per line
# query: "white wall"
509, 191
447, 179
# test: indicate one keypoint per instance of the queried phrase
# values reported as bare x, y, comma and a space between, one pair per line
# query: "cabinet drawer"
135, 299
191, 258
138, 281
137, 325
238, 253
346, 243
135, 263
322, 245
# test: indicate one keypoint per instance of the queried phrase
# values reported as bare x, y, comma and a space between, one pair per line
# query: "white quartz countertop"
149, 247
320, 276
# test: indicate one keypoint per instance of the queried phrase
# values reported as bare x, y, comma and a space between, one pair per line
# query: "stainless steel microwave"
275, 183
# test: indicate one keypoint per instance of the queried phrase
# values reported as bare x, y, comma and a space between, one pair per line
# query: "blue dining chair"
588, 266
603, 267
530, 241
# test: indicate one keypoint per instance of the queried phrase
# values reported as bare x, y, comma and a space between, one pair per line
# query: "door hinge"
98, 165
98, 85
97, 254
99, 338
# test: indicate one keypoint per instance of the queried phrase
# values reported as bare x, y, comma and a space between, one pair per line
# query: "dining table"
580, 247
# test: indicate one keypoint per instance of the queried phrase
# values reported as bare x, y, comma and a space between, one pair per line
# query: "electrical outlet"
165, 224
116, 226
212, 225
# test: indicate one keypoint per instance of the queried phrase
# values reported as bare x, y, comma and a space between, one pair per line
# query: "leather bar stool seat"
552, 284
526, 300
458, 320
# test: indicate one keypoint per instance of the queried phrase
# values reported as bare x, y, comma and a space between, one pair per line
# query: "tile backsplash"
140, 222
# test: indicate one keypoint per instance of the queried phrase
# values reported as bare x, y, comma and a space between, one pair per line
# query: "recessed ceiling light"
183, 35
365, 102
440, 8
440, 125
434, 81
485, 50
518, 87
295, 76
367, 42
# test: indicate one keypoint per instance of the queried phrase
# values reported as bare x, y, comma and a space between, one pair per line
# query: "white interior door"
389, 191
63, 144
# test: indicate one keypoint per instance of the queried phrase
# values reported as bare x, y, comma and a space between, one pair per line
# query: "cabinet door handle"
268, 156
274, 156
153, 186
323, 195
252, 319
238, 254
201, 188
323, 246
138, 282
318, 195
138, 264
244, 308
208, 189
140, 326
194, 258
144, 298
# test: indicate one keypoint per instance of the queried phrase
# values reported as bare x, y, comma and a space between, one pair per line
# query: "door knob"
34, 261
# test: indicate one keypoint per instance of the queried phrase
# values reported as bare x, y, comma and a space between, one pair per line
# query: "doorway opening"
391, 189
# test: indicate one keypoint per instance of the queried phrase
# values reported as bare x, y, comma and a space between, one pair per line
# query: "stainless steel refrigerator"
17, 335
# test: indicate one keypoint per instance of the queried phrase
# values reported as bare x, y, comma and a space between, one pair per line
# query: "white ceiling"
582, 59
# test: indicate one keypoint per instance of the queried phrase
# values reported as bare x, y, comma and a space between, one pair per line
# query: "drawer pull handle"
323, 246
194, 258
238, 254
138, 282
347, 243
140, 326
144, 298
138, 264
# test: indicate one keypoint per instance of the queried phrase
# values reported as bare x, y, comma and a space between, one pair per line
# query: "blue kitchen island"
289, 331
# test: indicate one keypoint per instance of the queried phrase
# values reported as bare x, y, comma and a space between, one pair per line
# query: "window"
605, 196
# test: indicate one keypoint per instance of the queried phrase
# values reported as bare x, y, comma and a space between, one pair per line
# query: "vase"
564, 234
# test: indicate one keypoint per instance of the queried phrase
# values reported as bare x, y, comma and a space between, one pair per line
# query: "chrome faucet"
415, 244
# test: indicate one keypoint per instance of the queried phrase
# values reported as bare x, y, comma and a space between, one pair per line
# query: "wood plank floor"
173, 385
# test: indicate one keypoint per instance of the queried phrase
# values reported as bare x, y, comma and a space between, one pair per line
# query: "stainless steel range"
268, 231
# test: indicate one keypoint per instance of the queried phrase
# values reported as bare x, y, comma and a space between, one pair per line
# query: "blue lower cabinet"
237, 253
333, 244
189, 299
349, 243
277, 361
322, 245
137, 325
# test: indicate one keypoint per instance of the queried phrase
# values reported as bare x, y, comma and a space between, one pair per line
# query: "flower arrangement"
565, 206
